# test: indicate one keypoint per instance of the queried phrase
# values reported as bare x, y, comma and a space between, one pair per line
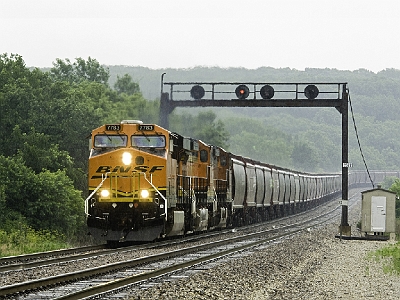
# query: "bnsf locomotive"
146, 182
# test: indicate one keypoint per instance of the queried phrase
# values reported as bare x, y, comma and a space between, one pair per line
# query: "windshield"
108, 141
149, 141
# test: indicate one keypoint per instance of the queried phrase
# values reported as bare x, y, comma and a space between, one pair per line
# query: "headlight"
105, 193
126, 158
144, 193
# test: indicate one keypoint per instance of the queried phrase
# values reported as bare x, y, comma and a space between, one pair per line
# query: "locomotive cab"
127, 182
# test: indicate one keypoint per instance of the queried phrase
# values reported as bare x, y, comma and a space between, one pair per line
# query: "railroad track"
76, 285
37, 259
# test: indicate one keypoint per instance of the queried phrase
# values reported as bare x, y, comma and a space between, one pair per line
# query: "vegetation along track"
90, 280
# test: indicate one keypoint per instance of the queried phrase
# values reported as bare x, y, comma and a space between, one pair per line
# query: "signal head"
197, 92
311, 91
242, 91
267, 92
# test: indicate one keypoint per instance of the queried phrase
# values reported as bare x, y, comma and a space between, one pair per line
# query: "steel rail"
123, 282
54, 280
44, 260
5, 261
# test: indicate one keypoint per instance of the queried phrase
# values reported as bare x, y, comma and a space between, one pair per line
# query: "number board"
146, 127
113, 127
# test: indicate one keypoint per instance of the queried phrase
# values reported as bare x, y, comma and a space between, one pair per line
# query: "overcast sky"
340, 34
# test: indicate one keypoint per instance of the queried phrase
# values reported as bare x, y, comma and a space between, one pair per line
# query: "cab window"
110, 141
203, 155
148, 141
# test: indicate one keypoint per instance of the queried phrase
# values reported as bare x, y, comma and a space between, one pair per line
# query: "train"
147, 183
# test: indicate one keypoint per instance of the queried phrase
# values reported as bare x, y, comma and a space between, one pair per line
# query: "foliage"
23, 239
204, 127
395, 187
56, 205
393, 253
375, 98
46, 200
303, 157
133, 107
79, 71
126, 85
47, 117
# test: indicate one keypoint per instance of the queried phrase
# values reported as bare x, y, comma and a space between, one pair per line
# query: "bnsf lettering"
141, 168
103, 169
106, 169
121, 169
156, 168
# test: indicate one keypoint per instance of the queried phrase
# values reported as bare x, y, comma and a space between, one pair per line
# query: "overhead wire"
358, 141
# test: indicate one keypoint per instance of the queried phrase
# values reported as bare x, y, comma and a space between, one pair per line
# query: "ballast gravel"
311, 265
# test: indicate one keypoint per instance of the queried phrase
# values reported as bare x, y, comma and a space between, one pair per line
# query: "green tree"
125, 84
38, 153
303, 157
80, 70
203, 126
396, 188
47, 200
55, 204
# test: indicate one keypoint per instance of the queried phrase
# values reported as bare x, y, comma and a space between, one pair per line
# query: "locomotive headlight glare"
126, 158
105, 193
144, 193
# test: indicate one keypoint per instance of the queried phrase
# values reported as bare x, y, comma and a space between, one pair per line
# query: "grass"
27, 240
391, 255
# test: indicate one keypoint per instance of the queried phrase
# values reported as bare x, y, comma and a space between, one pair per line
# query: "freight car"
146, 182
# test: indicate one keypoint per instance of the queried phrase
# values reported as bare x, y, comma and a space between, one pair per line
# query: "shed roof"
378, 189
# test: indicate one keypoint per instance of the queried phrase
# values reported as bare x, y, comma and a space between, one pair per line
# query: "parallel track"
41, 258
143, 268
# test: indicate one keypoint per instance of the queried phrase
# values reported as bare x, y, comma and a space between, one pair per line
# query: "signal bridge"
263, 94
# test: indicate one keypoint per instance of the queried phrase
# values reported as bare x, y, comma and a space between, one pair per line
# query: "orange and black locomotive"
146, 182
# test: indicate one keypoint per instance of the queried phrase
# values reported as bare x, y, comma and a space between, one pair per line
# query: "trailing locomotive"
146, 182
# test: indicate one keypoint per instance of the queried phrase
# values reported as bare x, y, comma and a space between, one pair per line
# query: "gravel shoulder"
310, 265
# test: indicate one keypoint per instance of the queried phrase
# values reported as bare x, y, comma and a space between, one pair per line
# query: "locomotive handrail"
91, 195
162, 196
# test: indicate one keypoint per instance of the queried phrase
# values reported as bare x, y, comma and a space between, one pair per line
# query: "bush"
26, 240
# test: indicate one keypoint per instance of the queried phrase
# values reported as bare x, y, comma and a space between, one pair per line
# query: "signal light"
311, 91
242, 91
197, 92
267, 92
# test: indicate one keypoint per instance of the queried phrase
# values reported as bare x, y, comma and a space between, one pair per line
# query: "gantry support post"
344, 227
165, 110
166, 106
